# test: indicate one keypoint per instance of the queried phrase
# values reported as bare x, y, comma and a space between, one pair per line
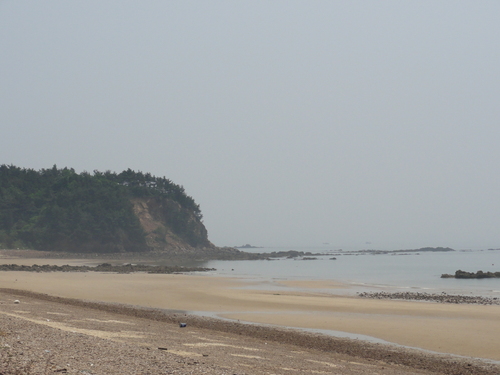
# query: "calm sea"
418, 272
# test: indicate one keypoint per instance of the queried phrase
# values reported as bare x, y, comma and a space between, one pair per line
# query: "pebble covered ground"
49, 335
432, 297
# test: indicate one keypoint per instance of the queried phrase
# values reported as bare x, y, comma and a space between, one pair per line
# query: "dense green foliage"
59, 209
144, 184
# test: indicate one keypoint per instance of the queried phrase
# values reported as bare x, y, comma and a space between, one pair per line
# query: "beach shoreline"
79, 321
471, 331
461, 329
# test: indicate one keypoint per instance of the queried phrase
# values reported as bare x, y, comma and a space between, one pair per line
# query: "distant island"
395, 252
248, 246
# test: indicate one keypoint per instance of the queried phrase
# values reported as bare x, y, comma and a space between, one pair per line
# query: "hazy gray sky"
289, 122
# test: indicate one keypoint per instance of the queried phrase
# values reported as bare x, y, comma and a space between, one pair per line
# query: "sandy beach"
460, 329
42, 334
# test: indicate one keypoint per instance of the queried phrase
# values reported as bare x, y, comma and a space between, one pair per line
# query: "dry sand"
467, 330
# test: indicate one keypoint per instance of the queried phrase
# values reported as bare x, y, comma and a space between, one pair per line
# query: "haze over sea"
405, 271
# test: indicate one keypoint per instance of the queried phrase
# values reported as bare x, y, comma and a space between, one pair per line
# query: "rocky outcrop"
104, 267
171, 228
471, 275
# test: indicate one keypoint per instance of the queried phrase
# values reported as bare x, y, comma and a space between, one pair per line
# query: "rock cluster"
242, 255
442, 298
104, 267
471, 275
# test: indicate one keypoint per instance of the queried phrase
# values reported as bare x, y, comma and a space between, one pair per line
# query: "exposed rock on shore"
104, 267
442, 298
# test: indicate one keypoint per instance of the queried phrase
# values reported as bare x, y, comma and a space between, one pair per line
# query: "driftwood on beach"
471, 275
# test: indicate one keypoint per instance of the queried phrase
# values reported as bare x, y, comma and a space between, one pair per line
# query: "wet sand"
467, 330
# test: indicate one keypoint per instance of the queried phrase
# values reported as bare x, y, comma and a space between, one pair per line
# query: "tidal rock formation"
459, 274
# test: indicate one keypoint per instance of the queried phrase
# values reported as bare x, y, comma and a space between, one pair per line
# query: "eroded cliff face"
169, 227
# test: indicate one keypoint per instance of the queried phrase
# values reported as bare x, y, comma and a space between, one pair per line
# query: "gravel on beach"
43, 334
432, 297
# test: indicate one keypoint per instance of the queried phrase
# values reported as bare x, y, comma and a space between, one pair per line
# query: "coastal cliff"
104, 212
168, 227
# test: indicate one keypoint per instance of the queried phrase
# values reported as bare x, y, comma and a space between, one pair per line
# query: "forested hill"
61, 210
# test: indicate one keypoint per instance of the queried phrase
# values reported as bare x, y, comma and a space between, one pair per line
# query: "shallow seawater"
362, 272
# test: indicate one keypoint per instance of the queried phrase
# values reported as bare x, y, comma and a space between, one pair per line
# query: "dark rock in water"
333, 258
447, 276
242, 255
471, 275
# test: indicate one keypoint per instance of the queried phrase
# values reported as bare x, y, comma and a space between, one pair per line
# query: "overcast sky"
290, 122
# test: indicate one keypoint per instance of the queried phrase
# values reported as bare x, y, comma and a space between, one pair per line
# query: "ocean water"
417, 272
